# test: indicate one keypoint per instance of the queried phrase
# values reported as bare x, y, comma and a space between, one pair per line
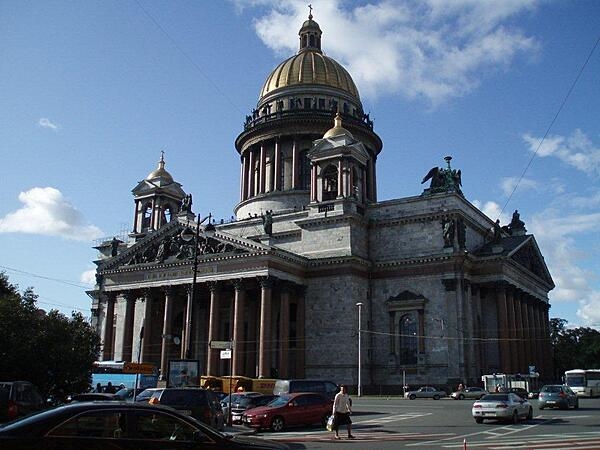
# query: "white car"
471, 393
502, 406
425, 392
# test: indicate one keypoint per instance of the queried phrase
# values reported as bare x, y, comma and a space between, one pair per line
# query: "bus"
124, 373
584, 382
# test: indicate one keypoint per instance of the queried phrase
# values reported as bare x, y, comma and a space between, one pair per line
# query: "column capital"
168, 290
214, 286
131, 295
239, 284
266, 282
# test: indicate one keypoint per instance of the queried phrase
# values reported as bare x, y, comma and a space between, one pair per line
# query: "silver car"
425, 392
557, 396
471, 393
502, 406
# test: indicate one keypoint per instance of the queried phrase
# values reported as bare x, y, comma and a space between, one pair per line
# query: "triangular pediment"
529, 256
166, 246
328, 148
147, 187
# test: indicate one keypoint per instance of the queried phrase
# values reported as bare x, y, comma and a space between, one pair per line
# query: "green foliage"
574, 348
51, 350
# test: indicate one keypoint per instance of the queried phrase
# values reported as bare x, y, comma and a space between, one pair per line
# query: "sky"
91, 93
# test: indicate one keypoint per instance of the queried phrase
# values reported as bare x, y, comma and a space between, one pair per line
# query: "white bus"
586, 383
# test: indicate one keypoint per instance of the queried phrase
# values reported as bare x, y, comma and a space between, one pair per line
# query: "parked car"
242, 401
93, 396
120, 426
289, 410
521, 392
200, 403
471, 393
557, 396
327, 388
502, 406
145, 395
18, 398
425, 392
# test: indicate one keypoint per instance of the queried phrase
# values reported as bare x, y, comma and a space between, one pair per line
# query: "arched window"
304, 175
330, 183
408, 345
147, 219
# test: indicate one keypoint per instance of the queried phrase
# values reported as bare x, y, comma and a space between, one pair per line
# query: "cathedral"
314, 277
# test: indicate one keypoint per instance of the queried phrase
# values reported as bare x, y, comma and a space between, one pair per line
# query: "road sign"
220, 345
225, 354
142, 369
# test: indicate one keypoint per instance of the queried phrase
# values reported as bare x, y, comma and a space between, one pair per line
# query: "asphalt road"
392, 423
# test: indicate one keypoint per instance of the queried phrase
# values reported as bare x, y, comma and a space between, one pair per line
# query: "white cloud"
576, 150
45, 211
568, 240
88, 277
493, 211
509, 184
46, 123
419, 49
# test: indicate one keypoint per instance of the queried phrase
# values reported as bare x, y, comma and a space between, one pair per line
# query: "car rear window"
183, 397
551, 389
495, 397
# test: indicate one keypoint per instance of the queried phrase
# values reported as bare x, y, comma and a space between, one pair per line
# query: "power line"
57, 280
551, 124
189, 58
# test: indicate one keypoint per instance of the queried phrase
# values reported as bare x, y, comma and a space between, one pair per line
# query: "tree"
574, 348
51, 350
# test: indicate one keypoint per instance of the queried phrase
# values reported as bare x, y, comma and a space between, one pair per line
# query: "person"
342, 408
110, 388
98, 387
460, 387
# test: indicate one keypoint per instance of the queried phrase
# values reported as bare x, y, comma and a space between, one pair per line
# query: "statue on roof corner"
186, 203
443, 180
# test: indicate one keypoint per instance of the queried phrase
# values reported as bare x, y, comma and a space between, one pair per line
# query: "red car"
289, 410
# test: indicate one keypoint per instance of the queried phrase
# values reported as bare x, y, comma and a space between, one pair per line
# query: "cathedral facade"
442, 293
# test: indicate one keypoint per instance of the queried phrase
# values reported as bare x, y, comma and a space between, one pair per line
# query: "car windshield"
280, 401
495, 397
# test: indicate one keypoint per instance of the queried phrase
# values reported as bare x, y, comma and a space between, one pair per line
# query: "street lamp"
188, 235
359, 304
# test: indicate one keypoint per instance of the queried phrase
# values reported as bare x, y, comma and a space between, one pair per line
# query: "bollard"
465, 444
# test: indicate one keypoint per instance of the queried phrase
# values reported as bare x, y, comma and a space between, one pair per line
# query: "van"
327, 388
18, 398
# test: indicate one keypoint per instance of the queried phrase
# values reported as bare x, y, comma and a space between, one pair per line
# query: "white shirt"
341, 403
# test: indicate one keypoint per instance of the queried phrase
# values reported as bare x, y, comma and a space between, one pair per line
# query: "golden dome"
310, 66
160, 173
338, 129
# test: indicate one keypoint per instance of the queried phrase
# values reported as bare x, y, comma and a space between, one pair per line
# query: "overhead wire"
573, 84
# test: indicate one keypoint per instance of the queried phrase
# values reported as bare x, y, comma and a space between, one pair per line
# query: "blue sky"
93, 91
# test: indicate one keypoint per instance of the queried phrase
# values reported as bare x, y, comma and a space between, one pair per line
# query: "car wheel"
461, 397
478, 420
412, 396
277, 424
530, 414
436, 397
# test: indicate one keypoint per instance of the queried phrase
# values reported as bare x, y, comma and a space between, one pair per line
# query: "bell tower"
158, 199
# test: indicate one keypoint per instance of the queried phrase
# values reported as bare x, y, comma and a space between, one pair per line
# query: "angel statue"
443, 180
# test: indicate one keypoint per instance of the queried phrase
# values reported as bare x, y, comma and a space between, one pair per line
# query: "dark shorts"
342, 419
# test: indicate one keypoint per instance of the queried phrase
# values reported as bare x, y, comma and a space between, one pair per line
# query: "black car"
521, 392
242, 401
200, 403
120, 426
18, 398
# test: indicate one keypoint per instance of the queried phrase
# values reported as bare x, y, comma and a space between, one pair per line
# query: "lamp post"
188, 235
359, 304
